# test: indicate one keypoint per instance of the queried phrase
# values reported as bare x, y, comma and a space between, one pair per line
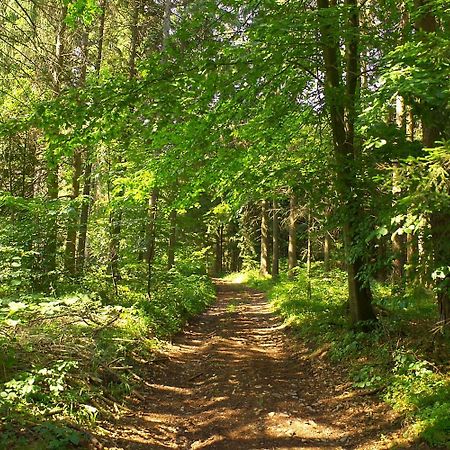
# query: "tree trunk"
398, 240
410, 125
218, 262
440, 219
87, 201
151, 237
264, 261
51, 245
341, 104
441, 248
411, 255
326, 251
153, 207
84, 218
116, 215
309, 255
234, 247
72, 223
172, 239
72, 220
275, 241
292, 245
412, 241
327, 243
101, 33
166, 25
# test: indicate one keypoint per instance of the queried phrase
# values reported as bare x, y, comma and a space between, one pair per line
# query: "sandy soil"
235, 380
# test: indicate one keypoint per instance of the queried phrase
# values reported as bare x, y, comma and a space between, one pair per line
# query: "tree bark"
234, 247
218, 261
275, 241
326, 251
341, 104
51, 245
72, 226
264, 261
84, 218
292, 245
116, 215
101, 33
397, 240
72, 220
151, 237
309, 254
153, 207
172, 239
412, 257
327, 243
87, 201
440, 219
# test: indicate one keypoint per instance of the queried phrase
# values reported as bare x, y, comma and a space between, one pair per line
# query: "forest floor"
235, 379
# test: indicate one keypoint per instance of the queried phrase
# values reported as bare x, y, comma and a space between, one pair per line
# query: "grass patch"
401, 357
70, 360
252, 278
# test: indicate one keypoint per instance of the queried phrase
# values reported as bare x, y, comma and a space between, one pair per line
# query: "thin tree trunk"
116, 214
153, 207
166, 26
86, 203
264, 261
172, 239
327, 244
309, 255
72, 227
151, 241
101, 33
275, 241
233, 246
342, 125
218, 265
326, 251
412, 241
412, 251
134, 40
397, 240
292, 245
410, 125
69, 257
51, 245
84, 218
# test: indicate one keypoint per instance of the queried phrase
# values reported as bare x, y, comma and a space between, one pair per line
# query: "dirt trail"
233, 380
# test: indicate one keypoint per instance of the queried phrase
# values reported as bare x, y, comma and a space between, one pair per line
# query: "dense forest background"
145, 145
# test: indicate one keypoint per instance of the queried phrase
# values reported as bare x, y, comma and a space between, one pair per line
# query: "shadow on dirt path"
234, 380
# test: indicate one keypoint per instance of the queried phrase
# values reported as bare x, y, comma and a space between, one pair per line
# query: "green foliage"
176, 298
252, 278
417, 388
376, 360
231, 113
43, 388
59, 352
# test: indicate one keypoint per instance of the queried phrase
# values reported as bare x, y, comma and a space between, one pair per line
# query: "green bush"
59, 352
176, 298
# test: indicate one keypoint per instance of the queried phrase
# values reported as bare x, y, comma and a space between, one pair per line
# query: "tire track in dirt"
234, 380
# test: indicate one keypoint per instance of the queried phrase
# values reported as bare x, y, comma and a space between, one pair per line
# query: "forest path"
235, 380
